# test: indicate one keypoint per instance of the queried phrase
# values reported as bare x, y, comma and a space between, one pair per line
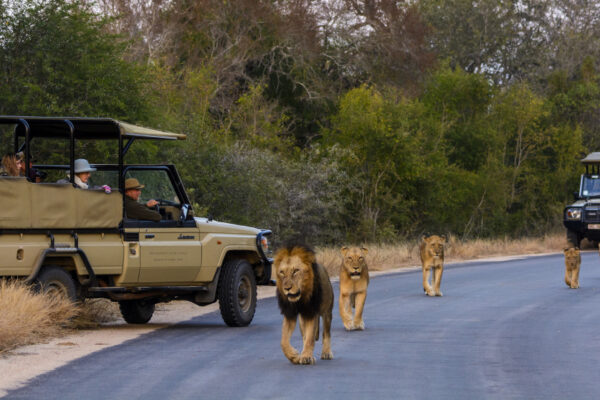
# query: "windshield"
590, 186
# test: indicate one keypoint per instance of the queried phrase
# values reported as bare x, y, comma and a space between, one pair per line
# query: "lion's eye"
295, 271
361, 258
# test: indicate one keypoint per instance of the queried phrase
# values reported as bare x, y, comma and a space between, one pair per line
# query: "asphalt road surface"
503, 330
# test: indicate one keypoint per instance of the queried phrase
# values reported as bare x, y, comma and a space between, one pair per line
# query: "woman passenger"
11, 165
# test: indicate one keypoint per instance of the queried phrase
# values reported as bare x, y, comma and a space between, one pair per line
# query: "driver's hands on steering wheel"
151, 203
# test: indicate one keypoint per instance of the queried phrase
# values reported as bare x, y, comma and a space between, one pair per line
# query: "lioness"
432, 257
572, 266
354, 279
303, 288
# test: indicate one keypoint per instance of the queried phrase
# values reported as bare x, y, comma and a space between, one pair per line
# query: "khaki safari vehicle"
81, 242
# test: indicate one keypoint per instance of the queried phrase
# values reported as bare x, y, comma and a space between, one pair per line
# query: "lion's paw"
327, 355
360, 326
439, 294
306, 360
349, 326
575, 286
430, 293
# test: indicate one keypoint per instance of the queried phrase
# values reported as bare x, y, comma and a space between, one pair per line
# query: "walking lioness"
572, 266
303, 289
354, 279
432, 258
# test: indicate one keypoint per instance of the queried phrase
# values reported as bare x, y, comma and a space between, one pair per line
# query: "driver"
135, 210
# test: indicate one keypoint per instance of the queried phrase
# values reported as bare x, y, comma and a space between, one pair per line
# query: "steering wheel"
163, 202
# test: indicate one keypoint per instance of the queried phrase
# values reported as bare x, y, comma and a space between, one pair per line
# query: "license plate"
594, 226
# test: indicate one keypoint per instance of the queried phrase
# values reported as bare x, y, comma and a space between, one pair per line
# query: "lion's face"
354, 261
572, 256
295, 275
435, 245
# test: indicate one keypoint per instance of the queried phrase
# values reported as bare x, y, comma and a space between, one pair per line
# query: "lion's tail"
317, 328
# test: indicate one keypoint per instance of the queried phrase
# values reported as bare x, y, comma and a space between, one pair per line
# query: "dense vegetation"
338, 120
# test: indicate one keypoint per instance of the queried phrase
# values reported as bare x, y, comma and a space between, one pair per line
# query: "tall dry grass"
28, 317
386, 257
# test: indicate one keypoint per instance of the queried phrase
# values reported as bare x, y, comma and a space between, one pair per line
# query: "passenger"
11, 165
35, 175
83, 171
135, 210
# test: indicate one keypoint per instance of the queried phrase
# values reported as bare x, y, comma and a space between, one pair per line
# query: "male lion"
432, 257
303, 288
572, 266
354, 279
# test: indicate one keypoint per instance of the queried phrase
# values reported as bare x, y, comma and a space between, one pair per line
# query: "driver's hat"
133, 183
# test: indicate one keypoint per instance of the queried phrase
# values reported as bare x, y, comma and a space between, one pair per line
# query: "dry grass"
386, 257
27, 317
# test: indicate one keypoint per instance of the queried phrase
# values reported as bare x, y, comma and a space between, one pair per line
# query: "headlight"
573, 214
264, 244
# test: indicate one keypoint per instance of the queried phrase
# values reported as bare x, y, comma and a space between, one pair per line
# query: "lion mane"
304, 291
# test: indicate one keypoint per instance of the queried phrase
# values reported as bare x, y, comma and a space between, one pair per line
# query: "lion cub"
572, 266
303, 289
354, 279
432, 258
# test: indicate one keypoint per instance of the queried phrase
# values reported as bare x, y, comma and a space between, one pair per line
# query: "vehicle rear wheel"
54, 279
136, 311
237, 292
573, 238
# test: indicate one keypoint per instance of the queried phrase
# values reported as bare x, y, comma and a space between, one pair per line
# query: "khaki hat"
133, 183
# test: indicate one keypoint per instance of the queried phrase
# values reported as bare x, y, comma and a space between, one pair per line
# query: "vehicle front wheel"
54, 279
136, 311
237, 292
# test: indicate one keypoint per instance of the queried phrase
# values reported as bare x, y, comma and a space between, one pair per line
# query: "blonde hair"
9, 164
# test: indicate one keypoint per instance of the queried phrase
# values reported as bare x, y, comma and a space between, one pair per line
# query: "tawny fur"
572, 266
354, 279
304, 290
432, 260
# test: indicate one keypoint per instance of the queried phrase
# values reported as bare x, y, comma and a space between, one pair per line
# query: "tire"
237, 292
573, 238
55, 279
136, 311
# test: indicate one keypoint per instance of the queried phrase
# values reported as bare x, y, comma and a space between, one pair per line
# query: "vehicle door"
170, 250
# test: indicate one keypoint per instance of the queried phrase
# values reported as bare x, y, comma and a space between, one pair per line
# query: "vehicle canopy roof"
592, 163
83, 128
80, 128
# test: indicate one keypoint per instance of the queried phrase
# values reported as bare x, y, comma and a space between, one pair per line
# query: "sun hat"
133, 183
82, 165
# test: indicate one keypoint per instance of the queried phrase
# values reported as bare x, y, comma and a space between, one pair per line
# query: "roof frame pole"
128, 145
27, 138
71, 151
121, 156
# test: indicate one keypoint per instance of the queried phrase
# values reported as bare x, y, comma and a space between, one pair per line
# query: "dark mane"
310, 307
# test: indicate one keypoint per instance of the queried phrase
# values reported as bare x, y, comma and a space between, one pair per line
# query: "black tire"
237, 292
574, 238
55, 279
136, 311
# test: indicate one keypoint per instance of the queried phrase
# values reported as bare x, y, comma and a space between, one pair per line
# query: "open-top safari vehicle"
582, 218
82, 243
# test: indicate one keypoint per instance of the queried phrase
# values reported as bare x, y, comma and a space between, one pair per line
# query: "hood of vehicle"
583, 203
211, 226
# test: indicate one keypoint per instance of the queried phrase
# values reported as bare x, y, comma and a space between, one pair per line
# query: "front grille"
592, 215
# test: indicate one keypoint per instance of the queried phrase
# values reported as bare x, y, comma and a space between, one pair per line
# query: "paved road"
505, 330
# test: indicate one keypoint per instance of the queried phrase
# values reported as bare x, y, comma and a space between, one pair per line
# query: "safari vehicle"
582, 218
82, 243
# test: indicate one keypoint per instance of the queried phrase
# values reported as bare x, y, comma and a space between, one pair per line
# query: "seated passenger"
83, 172
11, 165
135, 210
35, 175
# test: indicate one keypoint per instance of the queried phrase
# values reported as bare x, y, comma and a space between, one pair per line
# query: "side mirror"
576, 195
184, 213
